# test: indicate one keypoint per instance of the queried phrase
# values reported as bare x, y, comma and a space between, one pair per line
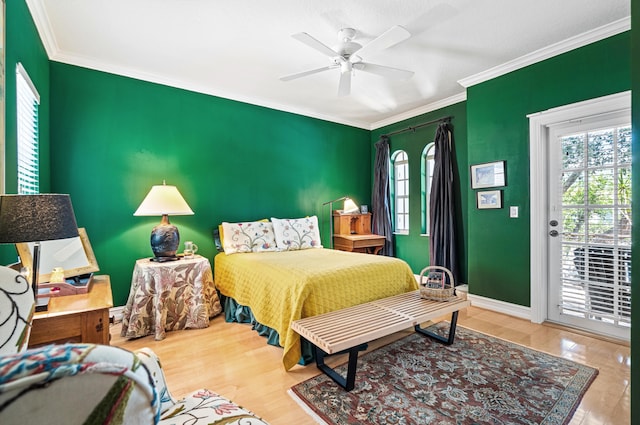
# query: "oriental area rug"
477, 380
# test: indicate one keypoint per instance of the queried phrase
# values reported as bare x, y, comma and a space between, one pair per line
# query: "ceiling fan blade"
391, 37
315, 44
384, 71
344, 88
305, 73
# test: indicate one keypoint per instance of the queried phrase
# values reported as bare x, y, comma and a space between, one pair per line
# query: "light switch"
513, 212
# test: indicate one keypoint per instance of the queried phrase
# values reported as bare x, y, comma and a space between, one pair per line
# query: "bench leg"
349, 382
445, 340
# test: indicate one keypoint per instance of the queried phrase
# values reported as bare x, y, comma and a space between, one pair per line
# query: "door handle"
553, 233
553, 223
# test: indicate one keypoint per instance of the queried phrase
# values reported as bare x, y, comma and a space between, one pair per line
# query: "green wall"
414, 247
115, 137
498, 129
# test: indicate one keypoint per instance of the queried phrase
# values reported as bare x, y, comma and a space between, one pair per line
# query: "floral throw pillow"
297, 233
253, 236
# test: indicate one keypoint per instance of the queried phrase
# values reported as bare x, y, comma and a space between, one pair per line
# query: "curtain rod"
415, 127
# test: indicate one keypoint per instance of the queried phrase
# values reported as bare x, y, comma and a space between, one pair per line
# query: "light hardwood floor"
233, 360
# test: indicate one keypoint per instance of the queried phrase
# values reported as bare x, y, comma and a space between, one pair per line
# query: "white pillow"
252, 236
297, 233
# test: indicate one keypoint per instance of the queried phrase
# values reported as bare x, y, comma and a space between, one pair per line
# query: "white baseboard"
493, 305
500, 306
116, 313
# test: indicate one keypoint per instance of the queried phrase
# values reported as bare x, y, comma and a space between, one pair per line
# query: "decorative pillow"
252, 236
297, 233
221, 232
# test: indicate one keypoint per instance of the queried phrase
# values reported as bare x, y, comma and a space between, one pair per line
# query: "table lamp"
349, 207
36, 218
164, 200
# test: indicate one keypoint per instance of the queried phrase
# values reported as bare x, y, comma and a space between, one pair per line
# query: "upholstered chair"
16, 311
98, 384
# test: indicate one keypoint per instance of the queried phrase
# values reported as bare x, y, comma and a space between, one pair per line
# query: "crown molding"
564, 46
434, 106
44, 28
189, 86
43, 25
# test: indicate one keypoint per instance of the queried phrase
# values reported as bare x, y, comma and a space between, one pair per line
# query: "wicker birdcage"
436, 283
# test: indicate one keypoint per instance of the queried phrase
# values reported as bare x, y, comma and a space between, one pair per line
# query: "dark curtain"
382, 196
442, 229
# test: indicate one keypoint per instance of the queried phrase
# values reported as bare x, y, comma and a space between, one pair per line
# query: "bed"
282, 286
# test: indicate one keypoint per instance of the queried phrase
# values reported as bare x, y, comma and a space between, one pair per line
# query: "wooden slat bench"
350, 329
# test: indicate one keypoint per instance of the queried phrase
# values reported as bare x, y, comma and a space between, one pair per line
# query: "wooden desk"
75, 318
368, 243
352, 232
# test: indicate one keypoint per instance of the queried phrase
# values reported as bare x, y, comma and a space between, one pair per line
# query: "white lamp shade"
350, 206
164, 199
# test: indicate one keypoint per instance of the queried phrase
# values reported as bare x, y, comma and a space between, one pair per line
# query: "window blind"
28, 101
596, 207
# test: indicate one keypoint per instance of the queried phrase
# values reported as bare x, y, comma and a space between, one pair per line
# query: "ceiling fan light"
345, 67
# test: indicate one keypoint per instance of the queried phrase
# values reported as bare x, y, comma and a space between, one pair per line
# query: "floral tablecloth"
170, 296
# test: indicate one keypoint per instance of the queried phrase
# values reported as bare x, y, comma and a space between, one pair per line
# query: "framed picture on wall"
489, 174
489, 199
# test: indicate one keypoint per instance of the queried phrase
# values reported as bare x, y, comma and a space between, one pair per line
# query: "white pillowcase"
252, 236
297, 233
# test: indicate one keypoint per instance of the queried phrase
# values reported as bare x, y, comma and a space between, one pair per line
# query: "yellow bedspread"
281, 287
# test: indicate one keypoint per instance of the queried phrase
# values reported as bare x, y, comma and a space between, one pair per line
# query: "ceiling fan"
348, 56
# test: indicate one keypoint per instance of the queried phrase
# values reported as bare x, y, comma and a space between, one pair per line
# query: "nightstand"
167, 296
75, 318
352, 232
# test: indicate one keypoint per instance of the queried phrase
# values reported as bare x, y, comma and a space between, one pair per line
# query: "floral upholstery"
16, 309
254, 236
297, 233
98, 384
74, 384
170, 296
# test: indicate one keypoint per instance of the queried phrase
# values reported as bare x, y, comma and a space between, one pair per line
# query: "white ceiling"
238, 49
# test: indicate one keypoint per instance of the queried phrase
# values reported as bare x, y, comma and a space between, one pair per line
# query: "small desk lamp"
36, 218
165, 238
349, 207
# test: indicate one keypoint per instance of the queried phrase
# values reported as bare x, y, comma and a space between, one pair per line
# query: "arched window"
400, 162
428, 155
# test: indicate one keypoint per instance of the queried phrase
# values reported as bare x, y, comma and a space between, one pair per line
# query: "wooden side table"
75, 318
368, 243
169, 296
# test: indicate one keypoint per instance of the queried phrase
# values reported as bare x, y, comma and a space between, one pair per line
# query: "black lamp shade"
34, 218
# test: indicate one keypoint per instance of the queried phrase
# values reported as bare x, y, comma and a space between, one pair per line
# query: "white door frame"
539, 124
